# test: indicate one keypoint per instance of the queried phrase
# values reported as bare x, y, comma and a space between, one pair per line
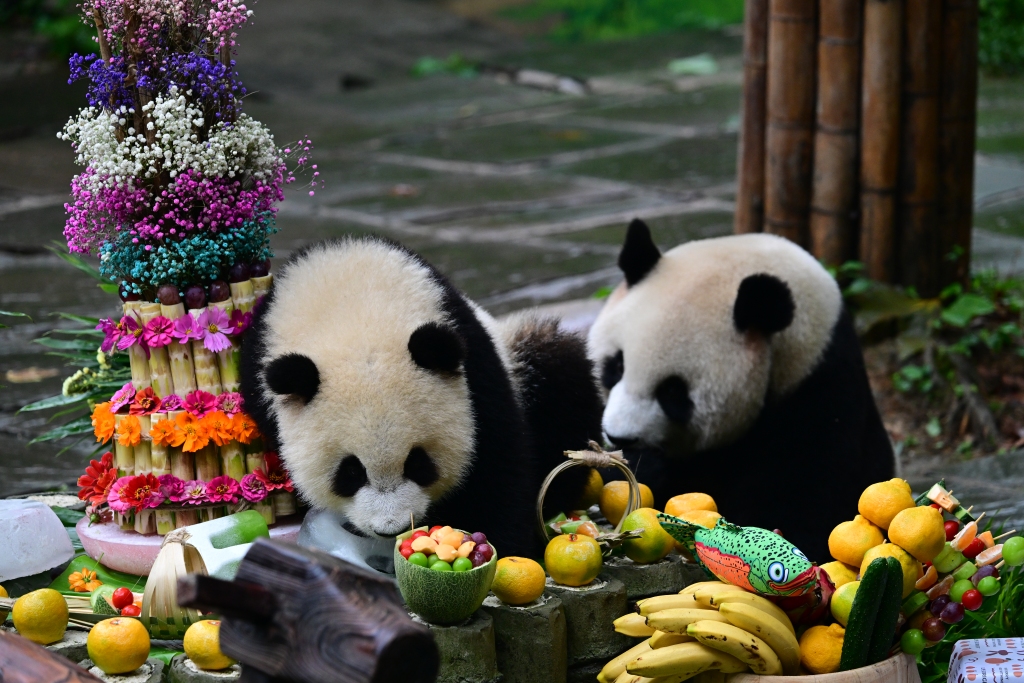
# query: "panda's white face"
379, 436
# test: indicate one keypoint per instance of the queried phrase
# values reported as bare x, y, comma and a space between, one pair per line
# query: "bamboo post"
789, 139
834, 189
750, 162
879, 137
958, 97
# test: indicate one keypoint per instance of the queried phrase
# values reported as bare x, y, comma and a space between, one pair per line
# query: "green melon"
442, 597
100, 601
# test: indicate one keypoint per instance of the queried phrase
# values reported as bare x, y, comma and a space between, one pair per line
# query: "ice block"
32, 538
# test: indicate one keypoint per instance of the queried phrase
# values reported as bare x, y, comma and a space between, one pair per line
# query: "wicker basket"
897, 669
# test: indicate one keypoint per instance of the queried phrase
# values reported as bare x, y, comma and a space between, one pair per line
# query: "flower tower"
178, 201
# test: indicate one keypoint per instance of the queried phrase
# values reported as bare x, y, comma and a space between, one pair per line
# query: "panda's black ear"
293, 375
639, 255
763, 304
437, 347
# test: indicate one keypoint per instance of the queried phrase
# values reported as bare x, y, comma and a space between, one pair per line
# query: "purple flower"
215, 328
222, 489
229, 403
110, 334
240, 321
253, 489
171, 486
186, 329
192, 493
130, 333
172, 402
122, 397
159, 332
200, 402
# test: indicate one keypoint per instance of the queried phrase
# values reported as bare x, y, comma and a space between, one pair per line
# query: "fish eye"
799, 553
777, 572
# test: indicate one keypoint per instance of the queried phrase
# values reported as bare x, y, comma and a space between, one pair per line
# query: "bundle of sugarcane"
229, 359
180, 354
159, 362
136, 352
160, 610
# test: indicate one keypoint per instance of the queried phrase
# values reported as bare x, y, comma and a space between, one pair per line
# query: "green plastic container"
442, 598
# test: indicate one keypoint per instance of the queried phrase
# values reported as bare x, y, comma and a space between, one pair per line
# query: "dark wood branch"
229, 598
22, 661
101, 26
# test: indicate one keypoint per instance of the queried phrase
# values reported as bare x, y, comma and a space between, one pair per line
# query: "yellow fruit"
850, 540
591, 490
118, 645
706, 518
615, 497
821, 647
842, 601
573, 559
41, 616
919, 531
3, 612
518, 580
202, 646
840, 573
653, 544
690, 501
882, 501
911, 567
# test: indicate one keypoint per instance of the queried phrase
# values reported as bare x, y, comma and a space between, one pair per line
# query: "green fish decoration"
756, 559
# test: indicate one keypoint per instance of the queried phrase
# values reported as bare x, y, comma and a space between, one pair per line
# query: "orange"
842, 601
821, 647
41, 616
882, 501
706, 518
911, 567
653, 543
615, 497
591, 490
850, 540
518, 580
3, 612
919, 530
573, 559
118, 645
689, 501
202, 646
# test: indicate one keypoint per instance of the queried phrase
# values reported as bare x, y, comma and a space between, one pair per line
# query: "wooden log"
789, 139
834, 190
22, 661
750, 162
958, 99
879, 136
325, 620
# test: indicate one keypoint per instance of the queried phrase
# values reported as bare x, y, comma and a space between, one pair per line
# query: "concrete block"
529, 641
184, 670
693, 572
72, 645
467, 650
150, 672
589, 613
585, 673
646, 580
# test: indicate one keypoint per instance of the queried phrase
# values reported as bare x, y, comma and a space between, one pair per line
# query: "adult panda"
731, 367
389, 396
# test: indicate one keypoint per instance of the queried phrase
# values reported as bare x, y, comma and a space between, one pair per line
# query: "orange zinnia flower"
102, 422
218, 426
244, 428
129, 431
196, 437
166, 433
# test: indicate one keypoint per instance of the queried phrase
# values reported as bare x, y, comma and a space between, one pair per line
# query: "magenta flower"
110, 334
169, 403
130, 333
240, 321
192, 493
171, 486
159, 332
200, 402
222, 489
122, 397
114, 498
215, 328
186, 329
229, 403
253, 489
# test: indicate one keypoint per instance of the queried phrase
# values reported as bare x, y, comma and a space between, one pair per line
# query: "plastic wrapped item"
33, 539
325, 530
992, 660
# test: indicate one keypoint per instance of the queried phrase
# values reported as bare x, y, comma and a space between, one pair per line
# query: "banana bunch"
705, 631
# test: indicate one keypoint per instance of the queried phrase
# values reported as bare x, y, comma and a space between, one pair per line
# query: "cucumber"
100, 601
861, 623
888, 613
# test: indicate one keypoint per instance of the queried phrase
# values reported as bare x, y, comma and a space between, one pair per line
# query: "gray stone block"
646, 580
589, 613
692, 572
150, 672
467, 650
529, 641
584, 673
72, 645
184, 670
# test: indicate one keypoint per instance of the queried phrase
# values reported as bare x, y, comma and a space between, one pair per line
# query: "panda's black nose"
623, 441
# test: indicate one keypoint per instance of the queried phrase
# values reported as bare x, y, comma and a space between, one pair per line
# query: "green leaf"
53, 402
108, 287
91, 322
933, 428
108, 576
164, 655
966, 308
75, 260
67, 344
67, 516
74, 428
602, 293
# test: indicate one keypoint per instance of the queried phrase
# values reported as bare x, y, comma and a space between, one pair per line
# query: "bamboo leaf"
966, 308
66, 344
13, 314
53, 402
82, 425
75, 260
91, 322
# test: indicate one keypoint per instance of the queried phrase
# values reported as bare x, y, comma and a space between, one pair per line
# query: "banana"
768, 629
734, 641
757, 601
617, 666
631, 678
700, 584
676, 620
684, 659
633, 625
662, 639
703, 595
663, 602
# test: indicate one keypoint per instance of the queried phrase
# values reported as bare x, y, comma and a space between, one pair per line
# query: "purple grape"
129, 296
260, 269
466, 538
168, 295
983, 572
195, 297
953, 613
479, 537
486, 551
939, 604
477, 558
219, 291
238, 273
934, 630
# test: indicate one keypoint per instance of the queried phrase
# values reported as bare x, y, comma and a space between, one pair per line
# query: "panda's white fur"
676, 321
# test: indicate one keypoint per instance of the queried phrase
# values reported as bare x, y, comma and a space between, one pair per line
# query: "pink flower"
122, 397
229, 403
253, 489
186, 329
172, 402
114, 499
200, 402
130, 333
222, 489
192, 493
171, 486
215, 328
110, 334
240, 321
159, 332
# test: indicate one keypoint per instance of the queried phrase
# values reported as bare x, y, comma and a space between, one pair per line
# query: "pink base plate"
132, 553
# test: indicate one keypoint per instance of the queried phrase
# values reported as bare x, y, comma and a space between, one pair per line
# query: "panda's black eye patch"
293, 375
419, 468
349, 477
612, 370
673, 396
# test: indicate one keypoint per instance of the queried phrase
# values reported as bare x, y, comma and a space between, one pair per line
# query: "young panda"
731, 368
389, 396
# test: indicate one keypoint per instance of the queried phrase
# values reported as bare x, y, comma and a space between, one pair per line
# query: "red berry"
433, 529
952, 527
130, 611
121, 598
417, 534
972, 599
974, 548
936, 506
405, 551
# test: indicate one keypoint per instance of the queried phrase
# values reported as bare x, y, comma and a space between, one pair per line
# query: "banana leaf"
109, 577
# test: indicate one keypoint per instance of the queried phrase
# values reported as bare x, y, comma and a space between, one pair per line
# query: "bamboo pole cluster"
857, 132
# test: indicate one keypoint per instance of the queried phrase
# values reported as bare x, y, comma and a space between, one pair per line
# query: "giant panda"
392, 397
731, 367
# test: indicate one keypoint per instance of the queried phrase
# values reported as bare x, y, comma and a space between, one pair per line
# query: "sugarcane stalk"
124, 456
207, 463
261, 285
229, 360
160, 460
284, 503
185, 518
159, 362
243, 296
136, 352
183, 372
182, 464
207, 374
266, 508
145, 522
143, 450
254, 459
232, 460
164, 522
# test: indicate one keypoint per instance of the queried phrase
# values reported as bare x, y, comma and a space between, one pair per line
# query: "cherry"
973, 549
121, 598
934, 629
951, 527
972, 599
168, 295
131, 611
